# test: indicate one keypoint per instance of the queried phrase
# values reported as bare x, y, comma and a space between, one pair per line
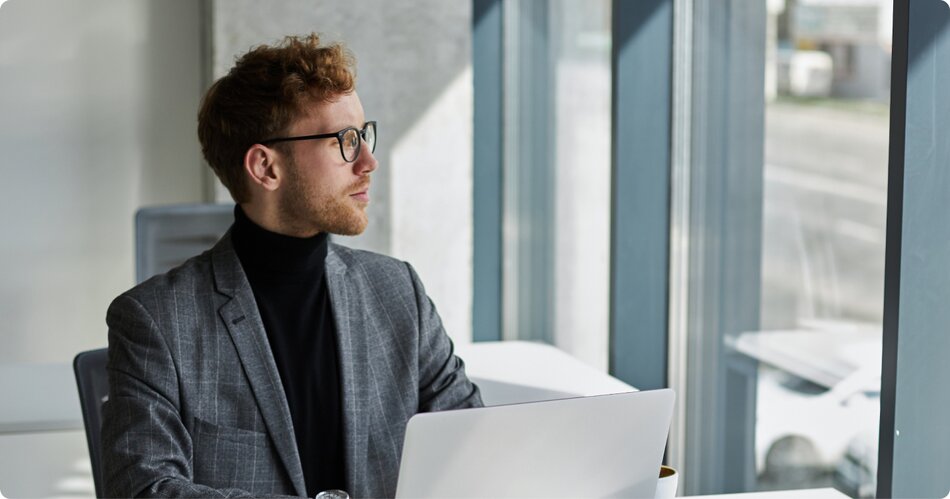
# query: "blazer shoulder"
191, 276
369, 260
367, 269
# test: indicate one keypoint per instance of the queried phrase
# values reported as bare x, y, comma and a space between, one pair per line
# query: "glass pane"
825, 189
557, 175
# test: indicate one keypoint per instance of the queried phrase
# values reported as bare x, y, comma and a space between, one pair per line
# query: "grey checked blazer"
196, 405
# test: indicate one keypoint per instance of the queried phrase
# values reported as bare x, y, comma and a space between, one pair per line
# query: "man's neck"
267, 217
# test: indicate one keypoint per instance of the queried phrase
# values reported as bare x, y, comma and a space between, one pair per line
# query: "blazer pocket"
226, 457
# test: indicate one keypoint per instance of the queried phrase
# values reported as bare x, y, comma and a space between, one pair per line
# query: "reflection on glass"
828, 69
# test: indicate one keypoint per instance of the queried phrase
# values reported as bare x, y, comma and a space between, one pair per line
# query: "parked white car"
818, 391
804, 429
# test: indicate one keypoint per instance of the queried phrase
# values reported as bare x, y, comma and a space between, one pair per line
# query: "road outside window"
825, 192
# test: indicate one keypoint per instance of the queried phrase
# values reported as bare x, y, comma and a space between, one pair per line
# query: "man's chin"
352, 227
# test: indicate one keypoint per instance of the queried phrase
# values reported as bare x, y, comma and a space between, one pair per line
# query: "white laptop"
600, 446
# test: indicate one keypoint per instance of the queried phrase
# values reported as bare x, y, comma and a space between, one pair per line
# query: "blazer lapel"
243, 320
353, 362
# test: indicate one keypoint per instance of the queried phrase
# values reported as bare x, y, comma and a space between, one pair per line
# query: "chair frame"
93, 384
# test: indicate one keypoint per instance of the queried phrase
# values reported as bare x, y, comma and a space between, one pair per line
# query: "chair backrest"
166, 236
93, 383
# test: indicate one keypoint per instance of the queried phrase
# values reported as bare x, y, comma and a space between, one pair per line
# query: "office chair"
166, 236
93, 383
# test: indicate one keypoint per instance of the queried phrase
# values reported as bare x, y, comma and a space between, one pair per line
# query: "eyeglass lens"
370, 136
351, 142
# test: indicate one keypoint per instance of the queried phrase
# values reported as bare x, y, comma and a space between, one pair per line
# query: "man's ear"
261, 166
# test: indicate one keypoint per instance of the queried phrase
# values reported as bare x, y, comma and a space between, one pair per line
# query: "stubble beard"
315, 209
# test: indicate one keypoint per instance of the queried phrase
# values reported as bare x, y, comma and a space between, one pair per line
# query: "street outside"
825, 199
824, 212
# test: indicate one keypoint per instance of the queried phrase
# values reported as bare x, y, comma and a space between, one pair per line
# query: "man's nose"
366, 162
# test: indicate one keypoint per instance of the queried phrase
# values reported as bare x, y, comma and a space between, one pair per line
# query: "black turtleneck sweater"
287, 277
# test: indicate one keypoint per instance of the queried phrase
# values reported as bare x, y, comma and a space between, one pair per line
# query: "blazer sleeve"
443, 384
146, 449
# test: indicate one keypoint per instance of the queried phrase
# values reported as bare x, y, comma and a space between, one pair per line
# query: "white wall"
98, 103
414, 78
97, 117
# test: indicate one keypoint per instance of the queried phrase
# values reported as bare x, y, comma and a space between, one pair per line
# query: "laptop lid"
600, 446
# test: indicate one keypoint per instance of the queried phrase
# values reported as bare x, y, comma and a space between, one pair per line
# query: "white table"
510, 372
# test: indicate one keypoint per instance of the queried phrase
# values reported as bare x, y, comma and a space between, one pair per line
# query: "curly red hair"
260, 97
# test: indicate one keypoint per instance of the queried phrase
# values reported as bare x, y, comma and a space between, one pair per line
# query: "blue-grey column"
915, 401
487, 65
639, 246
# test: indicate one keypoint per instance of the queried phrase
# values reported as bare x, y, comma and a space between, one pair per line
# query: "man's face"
323, 192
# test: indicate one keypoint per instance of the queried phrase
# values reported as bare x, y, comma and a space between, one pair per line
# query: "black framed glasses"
349, 139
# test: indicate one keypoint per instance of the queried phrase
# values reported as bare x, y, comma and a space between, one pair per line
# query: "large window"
790, 179
778, 117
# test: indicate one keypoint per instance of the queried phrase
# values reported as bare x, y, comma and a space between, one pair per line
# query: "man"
277, 363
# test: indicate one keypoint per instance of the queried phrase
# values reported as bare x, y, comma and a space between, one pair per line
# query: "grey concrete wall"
97, 117
413, 65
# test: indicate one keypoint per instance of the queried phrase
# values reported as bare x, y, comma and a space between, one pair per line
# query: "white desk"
510, 372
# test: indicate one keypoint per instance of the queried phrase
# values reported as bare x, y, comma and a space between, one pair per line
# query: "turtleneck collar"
264, 253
